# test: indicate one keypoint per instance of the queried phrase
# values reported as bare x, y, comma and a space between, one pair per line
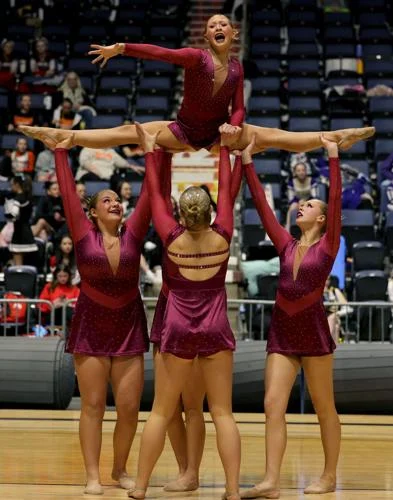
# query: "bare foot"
93, 487
230, 496
323, 485
49, 136
351, 136
182, 484
136, 493
261, 490
124, 480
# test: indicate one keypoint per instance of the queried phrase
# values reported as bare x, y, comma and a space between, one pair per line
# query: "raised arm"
237, 113
236, 180
224, 201
333, 223
77, 222
186, 57
276, 232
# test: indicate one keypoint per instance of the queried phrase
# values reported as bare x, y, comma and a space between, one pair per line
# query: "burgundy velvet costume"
299, 324
201, 112
109, 318
194, 320
159, 313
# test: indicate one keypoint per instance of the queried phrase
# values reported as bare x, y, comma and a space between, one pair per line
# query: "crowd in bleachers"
310, 68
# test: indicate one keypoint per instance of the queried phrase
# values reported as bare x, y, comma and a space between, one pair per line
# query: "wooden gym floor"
40, 458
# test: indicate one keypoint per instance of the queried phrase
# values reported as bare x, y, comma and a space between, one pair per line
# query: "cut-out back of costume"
195, 320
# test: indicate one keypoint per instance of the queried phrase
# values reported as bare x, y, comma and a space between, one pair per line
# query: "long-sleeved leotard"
109, 319
299, 325
194, 321
166, 158
201, 112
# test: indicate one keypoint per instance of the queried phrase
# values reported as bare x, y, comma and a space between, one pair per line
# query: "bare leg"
41, 225
193, 395
217, 374
127, 383
105, 138
298, 141
334, 326
319, 375
280, 375
170, 381
17, 259
176, 428
93, 376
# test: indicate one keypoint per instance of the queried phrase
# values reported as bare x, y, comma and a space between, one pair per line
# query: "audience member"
23, 114
333, 294
50, 206
8, 65
45, 166
72, 89
124, 190
99, 164
18, 161
302, 186
65, 117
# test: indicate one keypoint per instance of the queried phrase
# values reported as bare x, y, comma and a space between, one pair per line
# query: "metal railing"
249, 318
25, 323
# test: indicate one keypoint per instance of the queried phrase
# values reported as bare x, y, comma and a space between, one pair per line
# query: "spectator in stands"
99, 164
20, 209
72, 89
8, 65
42, 64
50, 207
300, 187
124, 190
334, 294
65, 255
81, 192
65, 117
59, 291
18, 161
204, 113
23, 114
355, 195
45, 166
387, 171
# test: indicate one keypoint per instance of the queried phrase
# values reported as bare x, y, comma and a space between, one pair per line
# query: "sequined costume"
109, 319
195, 319
299, 325
201, 112
159, 313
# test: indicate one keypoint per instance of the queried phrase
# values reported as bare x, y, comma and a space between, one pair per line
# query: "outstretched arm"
276, 232
237, 113
333, 222
186, 57
163, 219
236, 180
77, 222
224, 202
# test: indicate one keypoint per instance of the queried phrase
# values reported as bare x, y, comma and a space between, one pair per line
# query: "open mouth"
299, 214
219, 37
117, 212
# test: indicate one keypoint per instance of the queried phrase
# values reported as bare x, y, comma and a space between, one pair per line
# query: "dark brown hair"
60, 268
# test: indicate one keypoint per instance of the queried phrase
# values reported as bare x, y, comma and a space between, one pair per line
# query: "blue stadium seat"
299, 105
56, 31
338, 123
93, 187
266, 85
304, 86
107, 121
378, 67
128, 33
374, 35
382, 148
368, 255
302, 18
342, 19
39, 189
304, 124
372, 82
265, 33
152, 103
79, 49
276, 191
82, 66
20, 32
384, 127
382, 50
269, 66
164, 32
339, 34
93, 32
158, 68
122, 66
267, 17
333, 50
268, 168
304, 67
372, 19
3, 101
153, 84
303, 50
115, 84
266, 49
342, 80
357, 225
381, 105
370, 285
112, 103
302, 34
264, 105
265, 121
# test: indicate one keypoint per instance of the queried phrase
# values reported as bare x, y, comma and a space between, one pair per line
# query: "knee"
274, 407
94, 408
325, 410
127, 410
193, 413
217, 412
